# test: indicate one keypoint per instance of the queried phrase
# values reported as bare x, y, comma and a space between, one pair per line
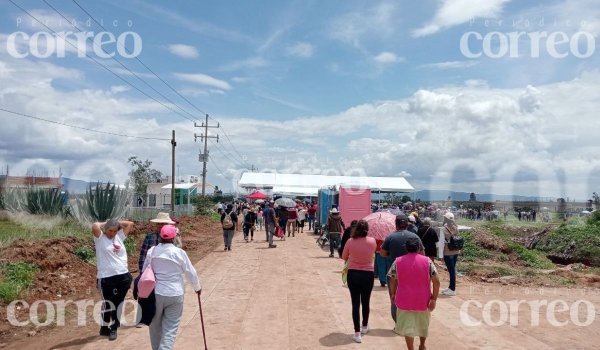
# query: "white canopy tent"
308, 185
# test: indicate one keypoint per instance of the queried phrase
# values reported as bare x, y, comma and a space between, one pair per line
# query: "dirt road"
292, 297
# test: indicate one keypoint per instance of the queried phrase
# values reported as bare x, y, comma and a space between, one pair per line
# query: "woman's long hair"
361, 229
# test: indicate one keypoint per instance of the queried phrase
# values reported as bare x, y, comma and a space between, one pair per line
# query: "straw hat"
163, 218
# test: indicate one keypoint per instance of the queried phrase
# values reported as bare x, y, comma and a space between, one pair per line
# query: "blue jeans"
311, 222
383, 265
334, 241
450, 261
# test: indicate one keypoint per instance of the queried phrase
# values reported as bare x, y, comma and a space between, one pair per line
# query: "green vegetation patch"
15, 279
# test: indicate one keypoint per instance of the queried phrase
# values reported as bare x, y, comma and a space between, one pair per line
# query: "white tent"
308, 185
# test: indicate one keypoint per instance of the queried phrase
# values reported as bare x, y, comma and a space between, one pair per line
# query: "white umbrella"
285, 202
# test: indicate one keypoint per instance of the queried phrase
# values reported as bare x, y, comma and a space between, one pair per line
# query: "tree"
142, 174
596, 199
472, 197
405, 199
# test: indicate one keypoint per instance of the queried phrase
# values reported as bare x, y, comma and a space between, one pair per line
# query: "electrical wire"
166, 84
96, 61
82, 128
225, 154
122, 65
142, 63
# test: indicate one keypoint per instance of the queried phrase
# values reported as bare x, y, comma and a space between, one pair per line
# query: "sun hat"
334, 211
449, 216
168, 232
411, 218
163, 218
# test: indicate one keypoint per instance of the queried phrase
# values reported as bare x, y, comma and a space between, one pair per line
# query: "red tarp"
258, 195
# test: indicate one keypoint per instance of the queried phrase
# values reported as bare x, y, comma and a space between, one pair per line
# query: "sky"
452, 94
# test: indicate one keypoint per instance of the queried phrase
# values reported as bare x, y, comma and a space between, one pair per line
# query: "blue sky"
327, 84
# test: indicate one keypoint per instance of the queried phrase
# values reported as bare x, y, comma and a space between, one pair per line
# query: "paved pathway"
292, 297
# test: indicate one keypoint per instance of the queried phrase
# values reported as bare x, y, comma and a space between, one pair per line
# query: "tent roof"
296, 191
311, 183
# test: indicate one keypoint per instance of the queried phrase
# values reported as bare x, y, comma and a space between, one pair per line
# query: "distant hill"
74, 186
440, 195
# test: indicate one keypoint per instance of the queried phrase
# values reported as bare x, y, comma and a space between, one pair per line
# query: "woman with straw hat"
146, 305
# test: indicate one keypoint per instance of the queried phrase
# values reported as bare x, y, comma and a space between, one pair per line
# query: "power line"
143, 64
244, 163
96, 61
225, 154
82, 128
122, 65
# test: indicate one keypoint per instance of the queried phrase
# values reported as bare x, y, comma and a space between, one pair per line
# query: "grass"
15, 279
86, 254
14, 226
529, 257
471, 252
214, 217
580, 241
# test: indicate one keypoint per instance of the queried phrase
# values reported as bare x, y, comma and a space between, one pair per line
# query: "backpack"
227, 221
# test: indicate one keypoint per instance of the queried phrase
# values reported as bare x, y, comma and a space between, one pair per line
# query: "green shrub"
86, 254
17, 277
471, 251
9, 291
102, 203
204, 206
578, 242
130, 246
45, 201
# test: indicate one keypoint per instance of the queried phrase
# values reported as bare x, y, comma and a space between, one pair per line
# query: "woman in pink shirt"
411, 280
359, 252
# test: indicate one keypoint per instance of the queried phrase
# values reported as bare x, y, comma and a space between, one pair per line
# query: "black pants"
146, 306
360, 284
113, 290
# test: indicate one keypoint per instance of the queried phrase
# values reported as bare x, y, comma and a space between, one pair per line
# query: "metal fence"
148, 213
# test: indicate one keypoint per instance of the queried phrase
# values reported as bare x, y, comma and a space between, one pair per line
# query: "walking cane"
202, 321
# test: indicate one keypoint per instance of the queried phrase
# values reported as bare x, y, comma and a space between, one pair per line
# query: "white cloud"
118, 89
376, 22
203, 79
451, 13
450, 65
301, 50
387, 58
183, 51
248, 63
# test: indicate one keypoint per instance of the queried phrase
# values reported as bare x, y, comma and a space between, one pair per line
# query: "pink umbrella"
381, 224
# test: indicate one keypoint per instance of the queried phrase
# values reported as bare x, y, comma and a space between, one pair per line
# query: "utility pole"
173, 144
204, 156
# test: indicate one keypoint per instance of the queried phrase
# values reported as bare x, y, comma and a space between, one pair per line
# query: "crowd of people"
278, 221
404, 262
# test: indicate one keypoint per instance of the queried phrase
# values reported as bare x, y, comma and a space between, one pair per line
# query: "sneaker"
112, 335
445, 290
272, 245
228, 248
449, 293
139, 325
331, 255
357, 338
225, 248
364, 330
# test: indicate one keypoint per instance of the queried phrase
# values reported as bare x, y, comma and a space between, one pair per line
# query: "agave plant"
14, 199
101, 203
47, 201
